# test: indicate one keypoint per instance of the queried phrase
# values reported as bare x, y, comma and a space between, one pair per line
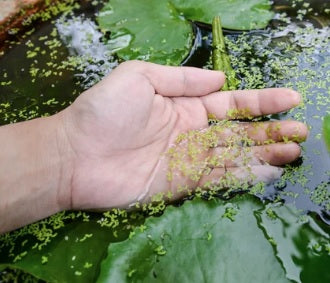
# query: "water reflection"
83, 40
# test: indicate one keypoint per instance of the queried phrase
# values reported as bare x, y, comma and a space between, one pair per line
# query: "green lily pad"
201, 241
160, 31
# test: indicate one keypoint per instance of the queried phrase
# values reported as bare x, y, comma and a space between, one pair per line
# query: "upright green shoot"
220, 57
326, 130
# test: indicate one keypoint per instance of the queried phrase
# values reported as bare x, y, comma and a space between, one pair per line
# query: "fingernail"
296, 97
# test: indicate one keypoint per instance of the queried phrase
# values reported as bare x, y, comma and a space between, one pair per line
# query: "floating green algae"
56, 62
294, 56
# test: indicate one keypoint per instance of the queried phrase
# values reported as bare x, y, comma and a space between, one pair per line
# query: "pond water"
44, 68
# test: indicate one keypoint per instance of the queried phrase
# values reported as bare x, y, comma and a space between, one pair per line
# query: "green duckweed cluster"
190, 155
297, 57
51, 10
44, 73
41, 233
230, 212
40, 54
16, 276
321, 195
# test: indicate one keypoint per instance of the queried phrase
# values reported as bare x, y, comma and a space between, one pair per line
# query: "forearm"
33, 178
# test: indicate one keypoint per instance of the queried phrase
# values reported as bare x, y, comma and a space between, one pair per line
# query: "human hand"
118, 131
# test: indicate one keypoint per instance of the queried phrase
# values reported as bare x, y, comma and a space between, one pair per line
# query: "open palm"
119, 130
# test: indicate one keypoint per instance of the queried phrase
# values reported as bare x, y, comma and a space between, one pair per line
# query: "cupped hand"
118, 132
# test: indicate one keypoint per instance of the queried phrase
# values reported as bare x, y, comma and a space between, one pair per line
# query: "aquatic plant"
145, 29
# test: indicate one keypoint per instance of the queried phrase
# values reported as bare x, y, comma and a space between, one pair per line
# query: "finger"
226, 133
235, 178
279, 131
261, 132
250, 103
177, 81
274, 154
278, 153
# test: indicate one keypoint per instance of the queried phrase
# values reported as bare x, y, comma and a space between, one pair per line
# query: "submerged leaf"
219, 241
201, 241
159, 31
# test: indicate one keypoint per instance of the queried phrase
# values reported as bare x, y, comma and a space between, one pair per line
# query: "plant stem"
220, 57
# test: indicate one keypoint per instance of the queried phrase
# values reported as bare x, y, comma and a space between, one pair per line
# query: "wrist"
35, 171
64, 163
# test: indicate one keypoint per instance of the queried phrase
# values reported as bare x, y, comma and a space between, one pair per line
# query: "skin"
107, 149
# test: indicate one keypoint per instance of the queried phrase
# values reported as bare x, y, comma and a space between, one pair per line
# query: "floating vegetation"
239, 166
65, 56
293, 56
321, 195
27, 15
144, 29
199, 235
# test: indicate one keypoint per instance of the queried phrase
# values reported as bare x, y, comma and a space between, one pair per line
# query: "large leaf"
199, 242
159, 30
234, 14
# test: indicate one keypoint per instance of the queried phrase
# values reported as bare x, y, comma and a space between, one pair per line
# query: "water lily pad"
160, 31
201, 241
